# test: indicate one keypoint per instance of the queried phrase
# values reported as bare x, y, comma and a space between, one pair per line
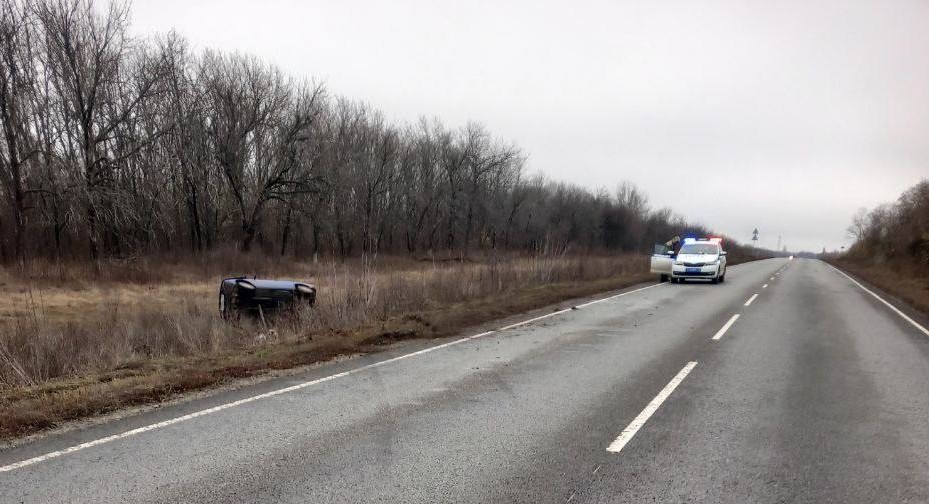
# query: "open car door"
662, 259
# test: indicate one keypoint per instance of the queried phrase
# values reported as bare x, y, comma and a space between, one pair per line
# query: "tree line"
115, 145
896, 231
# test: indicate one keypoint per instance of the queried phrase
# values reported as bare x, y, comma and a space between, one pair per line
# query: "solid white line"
765, 286
892, 307
617, 445
621, 294
725, 327
285, 390
524, 322
749, 302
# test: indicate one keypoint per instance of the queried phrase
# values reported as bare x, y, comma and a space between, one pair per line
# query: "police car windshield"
699, 248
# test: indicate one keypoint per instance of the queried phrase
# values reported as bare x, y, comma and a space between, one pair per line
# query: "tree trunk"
286, 232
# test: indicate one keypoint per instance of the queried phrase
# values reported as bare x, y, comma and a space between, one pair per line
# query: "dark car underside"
261, 297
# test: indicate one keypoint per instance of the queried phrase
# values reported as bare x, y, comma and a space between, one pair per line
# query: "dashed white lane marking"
892, 307
772, 279
749, 302
765, 286
725, 327
292, 388
617, 445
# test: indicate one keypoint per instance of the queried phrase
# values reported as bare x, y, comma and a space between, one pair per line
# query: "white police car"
700, 258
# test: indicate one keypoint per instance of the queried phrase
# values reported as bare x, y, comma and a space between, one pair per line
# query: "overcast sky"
785, 116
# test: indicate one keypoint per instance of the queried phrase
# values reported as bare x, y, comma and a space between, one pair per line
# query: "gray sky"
786, 116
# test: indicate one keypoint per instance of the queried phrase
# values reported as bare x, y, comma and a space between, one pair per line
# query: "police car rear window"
699, 248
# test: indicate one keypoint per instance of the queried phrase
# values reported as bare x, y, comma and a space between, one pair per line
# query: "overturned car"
261, 297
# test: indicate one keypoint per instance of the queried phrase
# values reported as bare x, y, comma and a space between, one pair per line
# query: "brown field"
77, 340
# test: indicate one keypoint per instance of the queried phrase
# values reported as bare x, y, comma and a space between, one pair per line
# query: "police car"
700, 258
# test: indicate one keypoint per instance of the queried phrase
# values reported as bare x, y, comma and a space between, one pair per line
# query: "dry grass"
903, 279
83, 340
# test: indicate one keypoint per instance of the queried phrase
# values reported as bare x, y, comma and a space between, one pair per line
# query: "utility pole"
754, 241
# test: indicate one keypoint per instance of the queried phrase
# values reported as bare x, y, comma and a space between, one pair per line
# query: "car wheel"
714, 280
223, 306
722, 278
662, 278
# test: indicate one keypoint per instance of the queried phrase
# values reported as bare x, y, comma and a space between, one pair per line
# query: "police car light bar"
713, 239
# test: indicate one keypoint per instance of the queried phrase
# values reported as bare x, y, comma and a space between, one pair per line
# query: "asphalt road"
817, 392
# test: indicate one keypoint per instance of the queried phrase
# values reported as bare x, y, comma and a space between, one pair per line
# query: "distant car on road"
701, 258
260, 297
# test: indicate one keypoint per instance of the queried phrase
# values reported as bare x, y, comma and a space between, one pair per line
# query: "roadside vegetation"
891, 248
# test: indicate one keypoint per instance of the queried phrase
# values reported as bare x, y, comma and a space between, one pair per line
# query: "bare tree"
859, 226
101, 76
131, 145
17, 106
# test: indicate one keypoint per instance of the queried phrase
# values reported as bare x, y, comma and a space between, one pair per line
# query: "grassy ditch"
86, 343
903, 280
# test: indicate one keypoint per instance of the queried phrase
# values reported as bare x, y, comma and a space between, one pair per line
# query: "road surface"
817, 392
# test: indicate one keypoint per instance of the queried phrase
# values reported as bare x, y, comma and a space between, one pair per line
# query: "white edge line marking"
617, 445
749, 302
285, 390
620, 294
892, 307
725, 327
765, 286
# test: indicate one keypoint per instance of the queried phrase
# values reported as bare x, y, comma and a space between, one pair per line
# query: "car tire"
662, 278
722, 278
223, 306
